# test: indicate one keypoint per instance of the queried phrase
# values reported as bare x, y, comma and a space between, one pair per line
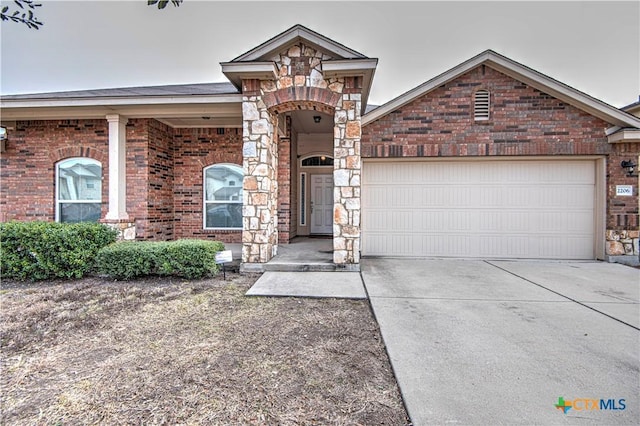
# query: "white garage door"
485, 209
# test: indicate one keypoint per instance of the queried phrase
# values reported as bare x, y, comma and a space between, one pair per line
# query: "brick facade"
195, 149
164, 165
28, 167
523, 122
164, 172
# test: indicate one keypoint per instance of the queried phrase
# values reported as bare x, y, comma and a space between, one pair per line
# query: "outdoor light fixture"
630, 166
317, 118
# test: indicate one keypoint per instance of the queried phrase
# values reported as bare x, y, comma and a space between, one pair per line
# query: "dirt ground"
166, 351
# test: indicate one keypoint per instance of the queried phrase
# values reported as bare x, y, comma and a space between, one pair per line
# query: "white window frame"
57, 186
205, 201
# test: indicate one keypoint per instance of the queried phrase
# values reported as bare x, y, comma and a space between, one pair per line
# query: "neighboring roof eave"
290, 36
519, 72
625, 136
632, 105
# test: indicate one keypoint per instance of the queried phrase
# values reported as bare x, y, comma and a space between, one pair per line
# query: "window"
79, 190
222, 197
303, 201
318, 160
481, 105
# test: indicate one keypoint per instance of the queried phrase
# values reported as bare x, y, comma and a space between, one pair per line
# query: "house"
490, 159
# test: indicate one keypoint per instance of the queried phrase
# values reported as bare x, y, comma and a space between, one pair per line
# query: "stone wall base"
126, 229
625, 260
623, 247
622, 243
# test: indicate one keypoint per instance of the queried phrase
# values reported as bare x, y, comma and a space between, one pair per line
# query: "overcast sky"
592, 46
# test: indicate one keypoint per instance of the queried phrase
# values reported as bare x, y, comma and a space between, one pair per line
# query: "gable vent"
481, 105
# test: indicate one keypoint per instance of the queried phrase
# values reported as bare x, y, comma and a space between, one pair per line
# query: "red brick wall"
28, 167
622, 212
137, 175
284, 190
523, 121
164, 172
195, 149
160, 205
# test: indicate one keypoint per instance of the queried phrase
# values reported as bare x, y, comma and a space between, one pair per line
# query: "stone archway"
299, 87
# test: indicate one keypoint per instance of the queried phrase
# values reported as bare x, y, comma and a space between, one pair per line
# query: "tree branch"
24, 15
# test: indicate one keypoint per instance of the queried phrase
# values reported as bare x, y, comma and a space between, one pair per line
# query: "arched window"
481, 105
78, 190
317, 160
223, 196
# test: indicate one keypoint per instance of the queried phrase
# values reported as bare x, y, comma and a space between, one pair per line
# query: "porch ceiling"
302, 121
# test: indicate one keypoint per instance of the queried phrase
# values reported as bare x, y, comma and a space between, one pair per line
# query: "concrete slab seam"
562, 295
386, 349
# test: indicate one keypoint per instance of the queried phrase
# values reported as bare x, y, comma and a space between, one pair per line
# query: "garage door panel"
492, 209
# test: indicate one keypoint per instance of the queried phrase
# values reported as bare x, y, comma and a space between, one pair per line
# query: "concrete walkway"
478, 343
343, 285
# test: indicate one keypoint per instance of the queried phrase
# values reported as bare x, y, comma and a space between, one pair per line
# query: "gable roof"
338, 60
292, 36
521, 73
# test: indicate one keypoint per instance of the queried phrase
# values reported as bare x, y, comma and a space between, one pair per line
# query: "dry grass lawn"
162, 351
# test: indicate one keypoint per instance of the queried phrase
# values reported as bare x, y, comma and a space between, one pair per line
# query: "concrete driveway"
498, 342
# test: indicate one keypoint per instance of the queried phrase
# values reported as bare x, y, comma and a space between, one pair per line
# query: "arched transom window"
317, 160
223, 196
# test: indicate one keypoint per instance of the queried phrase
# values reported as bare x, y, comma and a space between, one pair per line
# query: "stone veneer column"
260, 185
346, 180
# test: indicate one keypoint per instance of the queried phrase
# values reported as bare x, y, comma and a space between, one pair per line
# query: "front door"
321, 204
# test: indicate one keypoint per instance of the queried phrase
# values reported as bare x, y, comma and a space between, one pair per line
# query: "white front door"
321, 204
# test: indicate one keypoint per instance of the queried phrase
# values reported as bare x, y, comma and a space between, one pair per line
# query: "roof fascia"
290, 36
519, 72
227, 110
562, 91
119, 101
422, 89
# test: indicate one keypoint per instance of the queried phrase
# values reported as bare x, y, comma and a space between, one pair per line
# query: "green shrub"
127, 259
45, 250
184, 258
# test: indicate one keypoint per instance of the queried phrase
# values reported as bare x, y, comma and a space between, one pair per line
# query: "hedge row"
45, 250
184, 258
